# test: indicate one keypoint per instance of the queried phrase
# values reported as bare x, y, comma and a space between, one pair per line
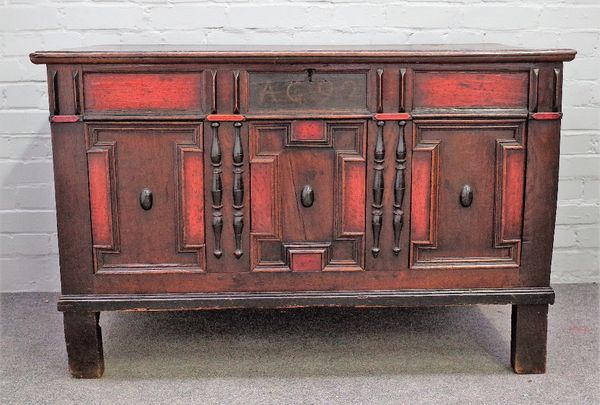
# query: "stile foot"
84, 344
529, 338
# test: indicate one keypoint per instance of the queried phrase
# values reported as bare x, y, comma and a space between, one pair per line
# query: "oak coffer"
205, 177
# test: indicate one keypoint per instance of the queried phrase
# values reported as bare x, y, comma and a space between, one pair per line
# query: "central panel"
307, 195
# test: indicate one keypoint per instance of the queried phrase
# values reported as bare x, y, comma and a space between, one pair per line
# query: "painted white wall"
28, 247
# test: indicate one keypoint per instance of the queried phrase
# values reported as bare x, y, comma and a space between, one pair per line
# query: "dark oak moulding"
366, 299
301, 54
207, 177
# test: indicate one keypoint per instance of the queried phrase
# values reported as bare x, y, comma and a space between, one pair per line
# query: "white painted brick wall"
28, 252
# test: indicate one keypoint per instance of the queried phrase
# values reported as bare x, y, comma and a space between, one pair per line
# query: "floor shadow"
306, 342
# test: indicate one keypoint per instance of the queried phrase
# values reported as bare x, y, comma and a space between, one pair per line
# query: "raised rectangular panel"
451, 89
191, 198
307, 259
142, 93
100, 169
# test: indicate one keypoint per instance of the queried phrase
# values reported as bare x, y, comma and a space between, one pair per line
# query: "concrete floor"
312, 356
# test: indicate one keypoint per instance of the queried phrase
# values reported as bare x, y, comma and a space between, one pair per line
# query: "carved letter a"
268, 92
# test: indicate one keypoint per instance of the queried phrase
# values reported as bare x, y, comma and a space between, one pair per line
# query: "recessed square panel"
306, 260
308, 131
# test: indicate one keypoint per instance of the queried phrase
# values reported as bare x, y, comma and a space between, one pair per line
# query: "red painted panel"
100, 199
261, 195
546, 116
353, 189
225, 117
424, 177
466, 89
392, 116
193, 197
142, 91
512, 192
65, 118
308, 130
306, 261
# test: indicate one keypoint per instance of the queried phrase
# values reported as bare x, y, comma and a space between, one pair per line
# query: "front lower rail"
397, 298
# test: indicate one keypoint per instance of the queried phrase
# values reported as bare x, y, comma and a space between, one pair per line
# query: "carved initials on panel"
289, 91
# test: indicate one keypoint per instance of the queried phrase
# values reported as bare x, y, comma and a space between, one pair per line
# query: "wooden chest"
204, 178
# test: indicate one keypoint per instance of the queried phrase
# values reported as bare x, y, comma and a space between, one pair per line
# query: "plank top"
300, 53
